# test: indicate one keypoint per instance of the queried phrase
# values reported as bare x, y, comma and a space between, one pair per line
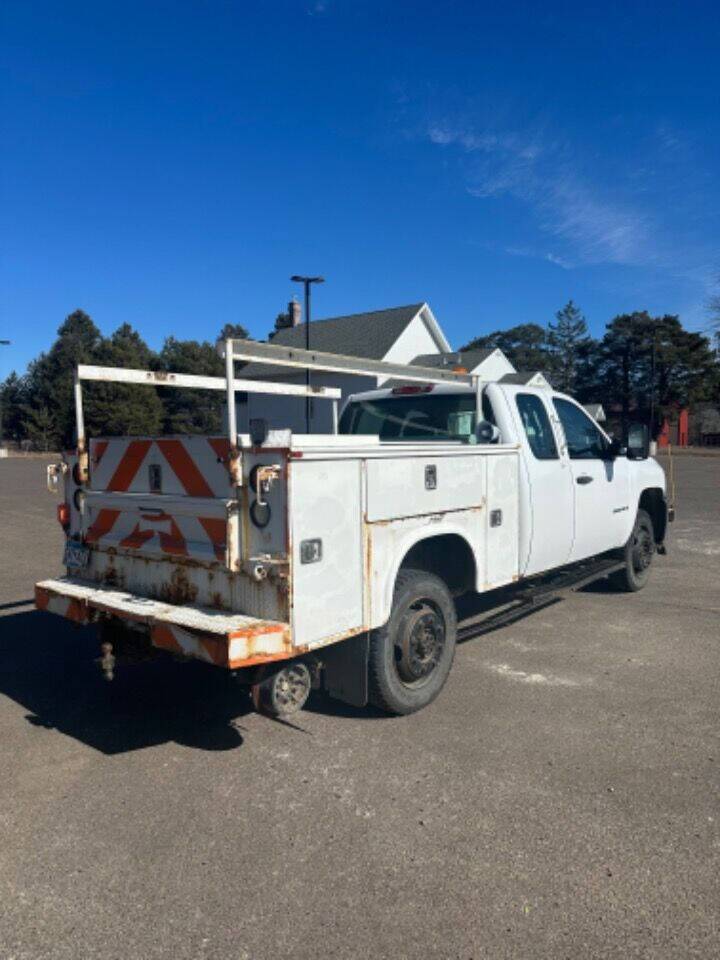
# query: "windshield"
422, 416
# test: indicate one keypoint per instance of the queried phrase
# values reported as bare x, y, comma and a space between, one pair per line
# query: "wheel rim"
420, 643
291, 687
643, 548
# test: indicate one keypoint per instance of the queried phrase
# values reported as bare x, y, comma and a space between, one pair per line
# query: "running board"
540, 594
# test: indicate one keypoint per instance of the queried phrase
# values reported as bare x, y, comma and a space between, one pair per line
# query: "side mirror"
638, 442
615, 449
486, 432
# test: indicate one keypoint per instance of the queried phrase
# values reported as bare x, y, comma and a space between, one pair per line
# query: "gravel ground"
559, 800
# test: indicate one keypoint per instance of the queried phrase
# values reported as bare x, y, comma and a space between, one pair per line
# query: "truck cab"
579, 490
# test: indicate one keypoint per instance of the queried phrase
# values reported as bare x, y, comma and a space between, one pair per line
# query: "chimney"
294, 313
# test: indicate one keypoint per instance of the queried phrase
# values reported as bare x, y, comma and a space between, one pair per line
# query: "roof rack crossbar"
294, 357
159, 378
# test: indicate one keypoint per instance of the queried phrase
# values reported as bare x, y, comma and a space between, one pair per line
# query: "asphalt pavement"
559, 800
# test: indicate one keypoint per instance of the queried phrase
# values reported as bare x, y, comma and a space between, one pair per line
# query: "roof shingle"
367, 335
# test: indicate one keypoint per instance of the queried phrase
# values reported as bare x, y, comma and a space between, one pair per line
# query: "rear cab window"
536, 424
416, 414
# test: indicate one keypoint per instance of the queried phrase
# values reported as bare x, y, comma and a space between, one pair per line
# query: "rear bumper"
229, 640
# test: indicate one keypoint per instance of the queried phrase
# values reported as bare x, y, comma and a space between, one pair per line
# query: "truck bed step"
541, 593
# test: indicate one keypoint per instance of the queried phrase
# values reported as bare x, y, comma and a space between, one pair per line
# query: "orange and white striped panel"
69, 607
265, 643
171, 637
179, 534
188, 466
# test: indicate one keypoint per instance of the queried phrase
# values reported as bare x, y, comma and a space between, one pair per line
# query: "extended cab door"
600, 485
546, 489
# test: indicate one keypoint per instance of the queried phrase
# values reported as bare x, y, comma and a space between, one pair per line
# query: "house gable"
371, 335
422, 335
527, 378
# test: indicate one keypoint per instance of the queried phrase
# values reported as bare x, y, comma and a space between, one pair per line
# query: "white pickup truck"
334, 560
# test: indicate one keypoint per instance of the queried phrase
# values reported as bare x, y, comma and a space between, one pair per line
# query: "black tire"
283, 692
638, 555
411, 656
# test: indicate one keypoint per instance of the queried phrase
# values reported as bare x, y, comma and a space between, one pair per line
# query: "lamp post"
306, 281
653, 366
652, 385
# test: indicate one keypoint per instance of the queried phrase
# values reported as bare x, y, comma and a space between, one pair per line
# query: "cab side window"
487, 410
536, 424
584, 440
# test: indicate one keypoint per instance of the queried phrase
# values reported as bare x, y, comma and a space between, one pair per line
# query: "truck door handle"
584, 478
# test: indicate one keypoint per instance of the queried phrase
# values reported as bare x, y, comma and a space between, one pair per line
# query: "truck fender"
382, 582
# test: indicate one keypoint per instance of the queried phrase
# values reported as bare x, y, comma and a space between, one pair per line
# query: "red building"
675, 431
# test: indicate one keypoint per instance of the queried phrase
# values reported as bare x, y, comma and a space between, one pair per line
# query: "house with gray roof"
596, 411
487, 364
408, 334
527, 378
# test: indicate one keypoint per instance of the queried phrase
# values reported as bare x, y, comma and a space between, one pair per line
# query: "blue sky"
171, 164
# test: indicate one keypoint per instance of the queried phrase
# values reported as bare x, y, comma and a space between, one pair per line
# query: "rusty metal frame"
273, 353
160, 378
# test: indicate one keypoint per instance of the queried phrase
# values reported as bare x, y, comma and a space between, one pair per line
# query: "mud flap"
346, 670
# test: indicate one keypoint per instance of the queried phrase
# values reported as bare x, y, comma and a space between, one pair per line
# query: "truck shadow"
47, 666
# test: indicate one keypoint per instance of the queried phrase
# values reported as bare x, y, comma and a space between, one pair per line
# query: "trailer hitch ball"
107, 661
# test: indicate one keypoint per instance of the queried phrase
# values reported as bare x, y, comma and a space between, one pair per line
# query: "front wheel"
638, 555
411, 656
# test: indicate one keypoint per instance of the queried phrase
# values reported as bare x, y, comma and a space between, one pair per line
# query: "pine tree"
714, 310
233, 331
41, 427
525, 346
684, 370
50, 377
567, 339
13, 402
115, 409
191, 411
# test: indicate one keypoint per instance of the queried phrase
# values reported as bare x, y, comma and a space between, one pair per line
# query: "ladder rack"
294, 357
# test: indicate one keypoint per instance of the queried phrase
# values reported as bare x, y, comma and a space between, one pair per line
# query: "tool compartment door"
327, 578
502, 519
412, 486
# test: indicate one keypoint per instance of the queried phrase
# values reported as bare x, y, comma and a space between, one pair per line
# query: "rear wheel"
638, 555
411, 656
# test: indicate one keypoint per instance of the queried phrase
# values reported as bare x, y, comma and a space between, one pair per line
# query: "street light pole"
306, 281
652, 383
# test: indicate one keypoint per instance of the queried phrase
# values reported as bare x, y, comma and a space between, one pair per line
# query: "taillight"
63, 515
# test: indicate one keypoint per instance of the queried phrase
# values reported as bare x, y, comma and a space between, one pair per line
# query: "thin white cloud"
595, 228
558, 261
653, 207
538, 255
602, 231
